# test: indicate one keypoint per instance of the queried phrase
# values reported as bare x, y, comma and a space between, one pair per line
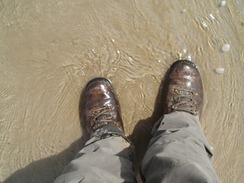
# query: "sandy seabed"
49, 50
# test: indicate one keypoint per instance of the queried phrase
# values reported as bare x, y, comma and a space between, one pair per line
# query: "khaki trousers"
177, 153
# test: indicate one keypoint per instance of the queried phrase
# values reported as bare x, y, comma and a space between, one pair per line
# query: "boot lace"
101, 116
184, 101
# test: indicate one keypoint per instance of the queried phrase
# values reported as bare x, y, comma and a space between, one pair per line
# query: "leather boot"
100, 106
184, 90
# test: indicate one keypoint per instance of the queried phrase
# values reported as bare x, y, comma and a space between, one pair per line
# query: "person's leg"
108, 159
178, 151
108, 155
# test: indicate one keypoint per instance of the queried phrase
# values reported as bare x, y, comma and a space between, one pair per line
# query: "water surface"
49, 50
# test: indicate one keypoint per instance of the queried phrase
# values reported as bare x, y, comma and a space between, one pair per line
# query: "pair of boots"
184, 92
178, 151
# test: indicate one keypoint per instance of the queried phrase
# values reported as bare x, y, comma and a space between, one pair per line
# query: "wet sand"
49, 50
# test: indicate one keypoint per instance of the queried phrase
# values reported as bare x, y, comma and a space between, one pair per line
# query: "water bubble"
223, 3
159, 61
83, 73
10, 24
204, 24
113, 40
226, 48
93, 51
189, 57
118, 51
211, 16
220, 70
183, 11
179, 55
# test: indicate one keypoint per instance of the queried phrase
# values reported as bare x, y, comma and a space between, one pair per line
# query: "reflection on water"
51, 49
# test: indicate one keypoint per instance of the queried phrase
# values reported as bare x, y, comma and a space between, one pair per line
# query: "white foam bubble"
189, 57
211, 16
204, 24
93, 51
223, 3
226, 47
220, 70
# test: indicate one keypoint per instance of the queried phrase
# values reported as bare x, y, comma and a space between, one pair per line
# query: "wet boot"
108, 155
100, 106
179, 152
184, 88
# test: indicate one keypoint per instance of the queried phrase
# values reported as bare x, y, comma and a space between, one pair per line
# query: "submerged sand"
50, 49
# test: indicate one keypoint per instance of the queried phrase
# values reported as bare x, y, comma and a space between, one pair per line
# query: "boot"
184, 90
100, 106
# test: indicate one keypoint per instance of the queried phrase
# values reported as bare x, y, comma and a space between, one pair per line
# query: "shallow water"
49, 50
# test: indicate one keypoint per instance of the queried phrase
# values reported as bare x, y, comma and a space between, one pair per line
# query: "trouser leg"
106, 157
178, 152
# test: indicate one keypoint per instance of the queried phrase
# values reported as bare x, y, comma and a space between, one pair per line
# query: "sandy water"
49, 50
